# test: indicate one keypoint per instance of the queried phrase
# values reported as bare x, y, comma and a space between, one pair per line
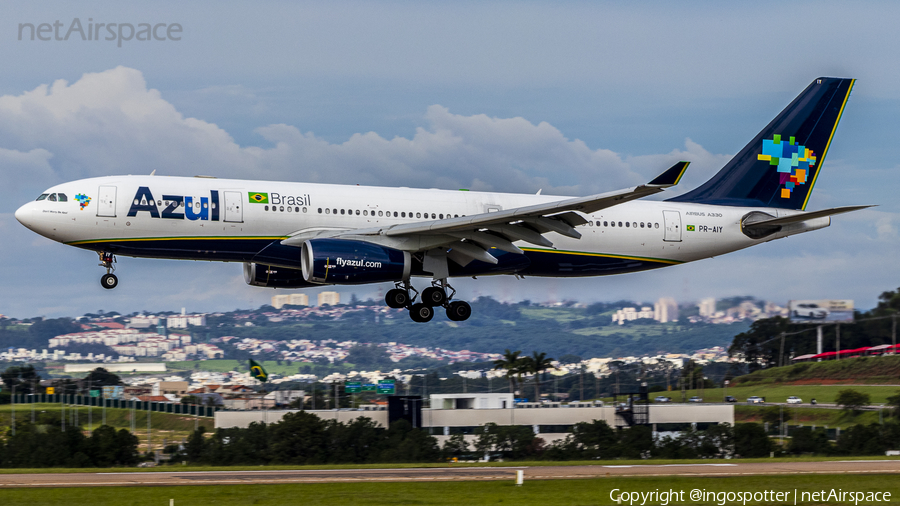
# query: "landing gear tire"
421, 313
109, 281
459, 311
434, 296
396, 298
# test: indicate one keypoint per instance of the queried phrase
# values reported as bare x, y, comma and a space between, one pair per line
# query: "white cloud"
112, 123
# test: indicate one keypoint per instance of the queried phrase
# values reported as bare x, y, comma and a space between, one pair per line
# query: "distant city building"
184, 321
330, 298
630, 314
293, 299
707, 307
666, 310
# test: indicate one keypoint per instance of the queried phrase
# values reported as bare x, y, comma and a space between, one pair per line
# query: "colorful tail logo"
791, 159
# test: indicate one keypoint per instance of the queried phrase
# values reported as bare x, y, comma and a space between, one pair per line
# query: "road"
167, 478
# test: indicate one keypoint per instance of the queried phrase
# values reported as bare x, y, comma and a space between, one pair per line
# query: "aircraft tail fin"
779, 167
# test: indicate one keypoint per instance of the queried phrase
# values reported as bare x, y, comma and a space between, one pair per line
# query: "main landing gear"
108, 280
433, 296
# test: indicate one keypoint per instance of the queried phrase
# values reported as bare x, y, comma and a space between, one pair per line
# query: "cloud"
111, 123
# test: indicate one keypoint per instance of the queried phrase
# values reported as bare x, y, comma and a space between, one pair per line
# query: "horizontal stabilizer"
797, 218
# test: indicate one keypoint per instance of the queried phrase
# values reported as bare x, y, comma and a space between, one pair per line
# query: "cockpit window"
43, 196
52, 197
62, 197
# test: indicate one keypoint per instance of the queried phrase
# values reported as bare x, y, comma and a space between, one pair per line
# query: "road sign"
387, 387
95, 393
51, 390
352, 387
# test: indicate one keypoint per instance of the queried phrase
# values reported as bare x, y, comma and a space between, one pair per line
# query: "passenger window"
52, 197
328, 211
418, 215
432, 216
357, 212
42, 196
656, 225
320, 210
342, 211
281, 208
403, 214
642, 224
304, 209
441, 216
620, 223
266, 208
290, 209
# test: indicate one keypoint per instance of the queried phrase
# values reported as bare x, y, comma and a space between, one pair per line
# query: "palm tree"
511, 363
536, 364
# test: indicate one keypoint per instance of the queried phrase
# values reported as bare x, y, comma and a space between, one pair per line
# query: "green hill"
852, 371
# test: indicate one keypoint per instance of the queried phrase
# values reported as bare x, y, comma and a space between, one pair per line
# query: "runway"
170, 478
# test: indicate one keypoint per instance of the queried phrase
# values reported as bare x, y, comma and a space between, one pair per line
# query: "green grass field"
164, 426
537, 492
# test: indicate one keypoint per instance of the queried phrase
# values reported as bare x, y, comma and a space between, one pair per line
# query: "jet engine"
346, 262
273, 277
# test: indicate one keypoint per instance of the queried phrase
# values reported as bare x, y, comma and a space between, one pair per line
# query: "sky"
570, 98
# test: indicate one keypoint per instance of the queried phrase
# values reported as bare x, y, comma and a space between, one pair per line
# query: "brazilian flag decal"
257, 371
259, 198
690, 228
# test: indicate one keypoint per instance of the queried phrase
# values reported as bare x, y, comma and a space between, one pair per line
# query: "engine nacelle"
345, 262
273, 277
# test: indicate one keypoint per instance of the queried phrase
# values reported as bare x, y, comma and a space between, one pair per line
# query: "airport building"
452, 414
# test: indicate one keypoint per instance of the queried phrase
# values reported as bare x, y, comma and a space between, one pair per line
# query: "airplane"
296, 235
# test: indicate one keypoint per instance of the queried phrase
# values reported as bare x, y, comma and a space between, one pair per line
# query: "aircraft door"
106, 201
233, 207
672, 220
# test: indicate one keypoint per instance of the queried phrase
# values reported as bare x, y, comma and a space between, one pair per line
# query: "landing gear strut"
432, 297
108, 280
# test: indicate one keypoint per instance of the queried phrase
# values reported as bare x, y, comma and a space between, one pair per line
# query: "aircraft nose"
24, 215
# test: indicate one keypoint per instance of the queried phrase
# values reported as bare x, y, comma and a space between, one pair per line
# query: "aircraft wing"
469, 237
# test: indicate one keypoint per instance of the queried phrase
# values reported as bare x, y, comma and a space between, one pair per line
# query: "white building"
666, 310
627, 314
707, 307
330, 298
183, 321
293, 299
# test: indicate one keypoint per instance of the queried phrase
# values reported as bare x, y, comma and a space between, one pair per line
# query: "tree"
100, 377
751, 440
512, 364
775, 415
23, 378
807, 440
536, 364
455, 446
894, 402
852, 400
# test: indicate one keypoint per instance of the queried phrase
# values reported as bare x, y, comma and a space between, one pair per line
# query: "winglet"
671, 176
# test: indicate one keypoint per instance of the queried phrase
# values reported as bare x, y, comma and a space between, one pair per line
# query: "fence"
85, 400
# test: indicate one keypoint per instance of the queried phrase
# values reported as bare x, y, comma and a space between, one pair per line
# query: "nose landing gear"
108, 280
432, 297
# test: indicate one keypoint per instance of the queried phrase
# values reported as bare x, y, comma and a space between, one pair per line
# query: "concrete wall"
123, 367
243, 419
